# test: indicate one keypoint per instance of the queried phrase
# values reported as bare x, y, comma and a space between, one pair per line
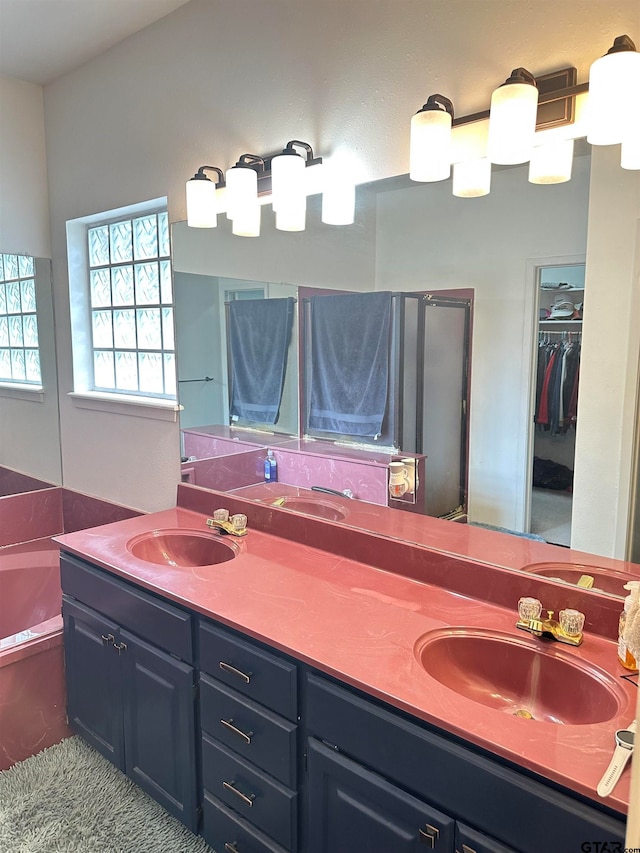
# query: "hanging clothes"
557, 375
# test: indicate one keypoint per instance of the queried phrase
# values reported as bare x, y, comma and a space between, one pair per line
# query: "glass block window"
19, 350
131, 302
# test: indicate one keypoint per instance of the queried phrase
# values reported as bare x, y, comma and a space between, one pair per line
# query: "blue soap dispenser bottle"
270, 468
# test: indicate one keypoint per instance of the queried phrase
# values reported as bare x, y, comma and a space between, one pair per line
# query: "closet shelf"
560, 322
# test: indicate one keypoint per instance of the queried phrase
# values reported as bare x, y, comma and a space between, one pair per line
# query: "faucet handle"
529, 608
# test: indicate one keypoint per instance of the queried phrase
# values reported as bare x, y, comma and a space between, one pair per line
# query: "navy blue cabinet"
280, 758
249, 741
351, 808
133, 702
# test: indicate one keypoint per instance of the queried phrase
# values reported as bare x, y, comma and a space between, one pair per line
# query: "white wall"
610, 357
428, 239
216, 79
24, 200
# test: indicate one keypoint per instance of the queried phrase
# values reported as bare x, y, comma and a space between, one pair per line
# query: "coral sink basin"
527, 677
180, 548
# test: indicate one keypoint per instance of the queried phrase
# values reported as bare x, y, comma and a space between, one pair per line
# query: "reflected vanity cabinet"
131, 683
275, 757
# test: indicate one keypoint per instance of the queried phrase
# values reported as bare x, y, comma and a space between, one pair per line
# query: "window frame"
84, 394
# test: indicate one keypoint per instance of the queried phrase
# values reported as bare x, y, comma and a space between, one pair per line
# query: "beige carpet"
551, 515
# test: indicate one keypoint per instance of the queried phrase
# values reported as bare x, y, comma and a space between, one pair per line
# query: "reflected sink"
180, 548
512, 675
605, 580
318, 508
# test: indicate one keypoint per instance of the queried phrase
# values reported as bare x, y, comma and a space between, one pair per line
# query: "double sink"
526, 677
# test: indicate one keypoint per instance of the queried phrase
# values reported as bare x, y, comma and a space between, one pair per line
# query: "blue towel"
350, 344
259, 336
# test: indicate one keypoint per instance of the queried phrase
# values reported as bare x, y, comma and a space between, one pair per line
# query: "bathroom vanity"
284, 698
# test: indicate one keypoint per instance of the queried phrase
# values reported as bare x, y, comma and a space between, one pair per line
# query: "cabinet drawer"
260, 736
507, 805
164, 625
250, 670
227, 832
250, 792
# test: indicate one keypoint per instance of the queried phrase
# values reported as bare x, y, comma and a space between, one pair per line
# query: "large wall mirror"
29, 421
413, 237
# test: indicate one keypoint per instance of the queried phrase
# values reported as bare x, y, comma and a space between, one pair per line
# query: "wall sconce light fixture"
512, 119
284, 180
430, 145
614, 84
523, 105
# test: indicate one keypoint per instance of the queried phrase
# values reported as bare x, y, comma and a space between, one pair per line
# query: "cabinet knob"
107, 639
247, 800
226, 667
429, 835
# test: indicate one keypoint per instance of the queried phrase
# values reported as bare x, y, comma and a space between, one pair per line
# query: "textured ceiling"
41, 40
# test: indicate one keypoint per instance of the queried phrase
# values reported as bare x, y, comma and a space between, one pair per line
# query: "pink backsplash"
458, 574
226, 472
31, 515
367, 481
81, 511
206, 446
13, 482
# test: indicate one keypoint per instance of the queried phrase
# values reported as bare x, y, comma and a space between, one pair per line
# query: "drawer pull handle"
247, 800
108, 639
231, 669
467, 849
120, 647
245, 737
429, 835
230, 847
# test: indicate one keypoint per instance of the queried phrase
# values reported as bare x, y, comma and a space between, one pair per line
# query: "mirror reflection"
29, 423
506, 251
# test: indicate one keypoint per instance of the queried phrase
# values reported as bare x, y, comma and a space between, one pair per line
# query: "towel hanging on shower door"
350, 342
259, 336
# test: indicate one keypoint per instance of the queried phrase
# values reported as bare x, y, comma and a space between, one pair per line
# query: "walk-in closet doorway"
553, 421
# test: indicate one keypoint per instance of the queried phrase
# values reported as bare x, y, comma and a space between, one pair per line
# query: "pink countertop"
477, 543
360, 624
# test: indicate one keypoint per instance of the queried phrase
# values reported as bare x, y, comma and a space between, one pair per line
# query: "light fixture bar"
543, 98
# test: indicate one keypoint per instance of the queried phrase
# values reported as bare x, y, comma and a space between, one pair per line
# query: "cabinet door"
159, 725
92, 667
352, 809
470, 841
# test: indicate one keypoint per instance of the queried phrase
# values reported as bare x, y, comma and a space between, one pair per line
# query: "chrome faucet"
550, 629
